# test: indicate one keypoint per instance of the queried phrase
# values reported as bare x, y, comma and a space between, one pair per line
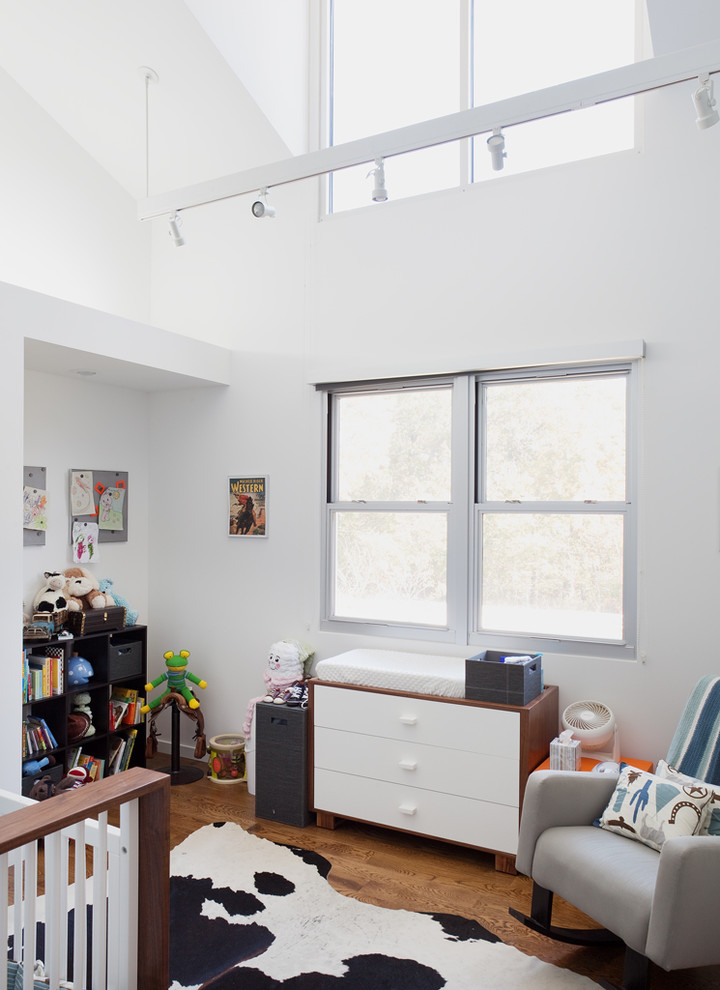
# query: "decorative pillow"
651, 809
711, 821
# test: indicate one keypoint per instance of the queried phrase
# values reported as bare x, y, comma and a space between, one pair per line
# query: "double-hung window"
485, 509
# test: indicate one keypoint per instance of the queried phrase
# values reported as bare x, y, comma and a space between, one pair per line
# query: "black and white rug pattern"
253, 915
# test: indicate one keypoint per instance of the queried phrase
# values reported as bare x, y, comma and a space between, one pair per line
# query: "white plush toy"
285, 667
51, 598
81, 703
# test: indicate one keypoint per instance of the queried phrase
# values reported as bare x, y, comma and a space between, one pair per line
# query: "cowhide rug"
249, 914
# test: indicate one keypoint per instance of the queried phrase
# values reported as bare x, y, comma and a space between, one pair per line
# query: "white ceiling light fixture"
496, 147
150, 76
261, 208
379, 193
705, 103
175, 222
576, 94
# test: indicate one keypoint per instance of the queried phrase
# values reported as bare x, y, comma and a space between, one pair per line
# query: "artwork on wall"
35, 505
98, 510
85, 542
247, 505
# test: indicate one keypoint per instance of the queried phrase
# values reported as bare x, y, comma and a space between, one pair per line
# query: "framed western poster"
247, 505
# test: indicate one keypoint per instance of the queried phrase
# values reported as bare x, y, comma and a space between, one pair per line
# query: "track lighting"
704, 102
379, 193
496, 147
261, 207
175, 222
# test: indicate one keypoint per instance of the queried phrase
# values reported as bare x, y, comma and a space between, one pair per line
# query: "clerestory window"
397, 62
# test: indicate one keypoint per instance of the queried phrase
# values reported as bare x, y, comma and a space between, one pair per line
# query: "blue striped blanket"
695, 748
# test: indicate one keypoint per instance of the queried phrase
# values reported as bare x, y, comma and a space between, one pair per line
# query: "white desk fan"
594, 725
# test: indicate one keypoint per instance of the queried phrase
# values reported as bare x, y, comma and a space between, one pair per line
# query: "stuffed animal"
81, 705
51, 596
131, 614
175, 676
285, 667
42, 789
31, 767
75, 777
82, 591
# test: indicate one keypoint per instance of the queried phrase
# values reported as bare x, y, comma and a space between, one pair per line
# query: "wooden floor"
395, 870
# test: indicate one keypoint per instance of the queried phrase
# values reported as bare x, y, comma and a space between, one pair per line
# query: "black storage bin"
55, 773
281, 786
489, 678
124, 660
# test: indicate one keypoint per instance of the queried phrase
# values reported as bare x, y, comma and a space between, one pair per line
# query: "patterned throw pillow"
651, 809
711, 821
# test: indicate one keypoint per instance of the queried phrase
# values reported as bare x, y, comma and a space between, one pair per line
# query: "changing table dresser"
443, 767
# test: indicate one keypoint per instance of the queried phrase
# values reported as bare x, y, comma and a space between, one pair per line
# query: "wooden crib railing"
45, 846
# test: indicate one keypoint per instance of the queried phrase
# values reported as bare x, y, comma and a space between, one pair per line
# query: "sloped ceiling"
80, 61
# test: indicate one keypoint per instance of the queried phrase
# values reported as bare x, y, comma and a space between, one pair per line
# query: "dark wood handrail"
152, 791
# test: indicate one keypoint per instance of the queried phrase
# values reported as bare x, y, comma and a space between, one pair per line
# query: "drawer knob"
408, 719
407, 809
408, 764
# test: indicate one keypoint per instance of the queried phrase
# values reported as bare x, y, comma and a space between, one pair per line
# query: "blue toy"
131, 614
31, 767
79, 671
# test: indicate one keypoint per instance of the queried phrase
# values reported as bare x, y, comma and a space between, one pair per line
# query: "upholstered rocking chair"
638, 853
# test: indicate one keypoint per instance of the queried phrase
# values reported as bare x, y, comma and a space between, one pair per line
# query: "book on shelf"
72, 755
127, 752
94, 765
37, 736
123, 702
40, 677
117, 747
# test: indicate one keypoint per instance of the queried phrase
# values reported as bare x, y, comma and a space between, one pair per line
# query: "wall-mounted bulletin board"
34, 506
98, 510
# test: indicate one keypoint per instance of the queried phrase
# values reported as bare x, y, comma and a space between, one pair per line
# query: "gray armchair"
664, 905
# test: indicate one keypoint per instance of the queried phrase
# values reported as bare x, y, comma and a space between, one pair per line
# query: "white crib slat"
99, 954
128, 898
64, 878
53, 908
16, 860
4, 897
29, 913
79, 974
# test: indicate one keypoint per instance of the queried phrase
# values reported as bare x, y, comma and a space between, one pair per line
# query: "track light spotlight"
379, 193
175, 222
496, 147
261, 207
704, 102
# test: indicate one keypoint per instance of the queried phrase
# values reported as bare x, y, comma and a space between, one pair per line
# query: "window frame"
464, 514
469, 176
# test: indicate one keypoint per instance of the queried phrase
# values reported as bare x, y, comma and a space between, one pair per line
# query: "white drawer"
444, 816
437, 723
433, 768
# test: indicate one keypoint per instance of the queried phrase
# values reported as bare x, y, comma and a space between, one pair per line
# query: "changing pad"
415, 672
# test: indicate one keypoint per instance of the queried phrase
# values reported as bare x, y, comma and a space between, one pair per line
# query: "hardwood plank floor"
395, 870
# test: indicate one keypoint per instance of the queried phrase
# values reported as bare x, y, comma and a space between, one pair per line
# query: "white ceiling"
80, 61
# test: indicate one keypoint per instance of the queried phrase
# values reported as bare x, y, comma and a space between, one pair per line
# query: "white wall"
105, 429
600, 251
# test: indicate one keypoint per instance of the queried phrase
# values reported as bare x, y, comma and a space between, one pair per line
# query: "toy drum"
226, 758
